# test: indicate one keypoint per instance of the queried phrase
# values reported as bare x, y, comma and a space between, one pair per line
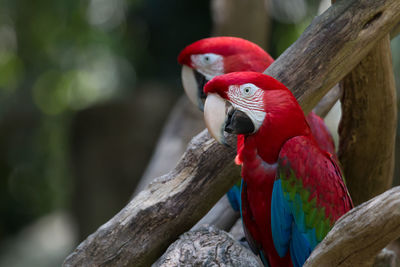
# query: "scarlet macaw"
292, 190
207, 58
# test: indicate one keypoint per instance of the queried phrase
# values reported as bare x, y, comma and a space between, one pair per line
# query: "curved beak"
220, 116
215, 116
193, 83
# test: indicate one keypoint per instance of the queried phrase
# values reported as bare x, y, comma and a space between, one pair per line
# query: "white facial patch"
210, 64
249, 99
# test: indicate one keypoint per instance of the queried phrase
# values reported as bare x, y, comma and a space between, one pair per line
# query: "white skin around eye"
249, 99
248, 90
210, 64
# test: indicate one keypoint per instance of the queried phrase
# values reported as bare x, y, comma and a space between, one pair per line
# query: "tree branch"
328, 101
332, 46
360, 234
208, 245
139, 233
368, 125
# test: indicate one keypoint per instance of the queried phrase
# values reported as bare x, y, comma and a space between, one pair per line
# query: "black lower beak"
238, 123
201, 81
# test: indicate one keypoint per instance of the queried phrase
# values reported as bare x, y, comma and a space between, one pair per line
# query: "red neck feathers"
284, 119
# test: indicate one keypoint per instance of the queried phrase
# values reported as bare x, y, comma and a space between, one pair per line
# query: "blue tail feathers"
234, 197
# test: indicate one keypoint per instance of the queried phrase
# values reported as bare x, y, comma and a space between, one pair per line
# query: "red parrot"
292, 191
210, 57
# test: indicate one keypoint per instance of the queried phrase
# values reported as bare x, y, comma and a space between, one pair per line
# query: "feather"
305, 208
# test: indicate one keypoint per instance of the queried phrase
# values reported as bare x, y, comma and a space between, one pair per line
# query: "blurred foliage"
58, 57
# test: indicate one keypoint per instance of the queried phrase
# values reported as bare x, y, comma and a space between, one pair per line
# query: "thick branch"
332, 46
171, 205
158, 215
207, 246
368, 126
360, 234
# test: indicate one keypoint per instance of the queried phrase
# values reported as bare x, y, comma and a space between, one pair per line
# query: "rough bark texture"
207, 246
346, 32
361, 233
368, 126
170, 206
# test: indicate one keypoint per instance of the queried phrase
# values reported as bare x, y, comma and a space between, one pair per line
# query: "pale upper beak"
193, 83
220, 116
215, 116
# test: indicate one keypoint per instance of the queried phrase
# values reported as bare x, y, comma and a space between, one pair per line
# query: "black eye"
247, 90
206, 58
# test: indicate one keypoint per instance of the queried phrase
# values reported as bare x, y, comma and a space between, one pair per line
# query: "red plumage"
284, 138
239, 54
242, 55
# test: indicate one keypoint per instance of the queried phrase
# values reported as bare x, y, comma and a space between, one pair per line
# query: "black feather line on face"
238, 122
201, 81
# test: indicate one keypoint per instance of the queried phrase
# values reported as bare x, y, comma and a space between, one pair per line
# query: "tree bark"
368, 126
207, 246
360, 234
347, 31
169, 206
139, 233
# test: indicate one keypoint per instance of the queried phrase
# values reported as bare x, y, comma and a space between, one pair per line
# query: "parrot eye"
210, 58
248, 89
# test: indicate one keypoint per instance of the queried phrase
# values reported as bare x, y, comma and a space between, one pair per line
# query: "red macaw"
210, 57
292, 190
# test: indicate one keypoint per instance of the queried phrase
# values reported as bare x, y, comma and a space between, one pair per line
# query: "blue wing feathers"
281, 220
234, 197
288, 226
299, 247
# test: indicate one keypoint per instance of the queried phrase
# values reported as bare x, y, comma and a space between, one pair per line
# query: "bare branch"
360, 234
368, 126
328, 101
207, 245
330, 47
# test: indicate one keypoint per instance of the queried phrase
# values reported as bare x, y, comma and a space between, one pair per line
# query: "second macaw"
207, 58
292, 190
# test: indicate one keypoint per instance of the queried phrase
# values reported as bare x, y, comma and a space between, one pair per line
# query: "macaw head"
252, 103
207, 58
